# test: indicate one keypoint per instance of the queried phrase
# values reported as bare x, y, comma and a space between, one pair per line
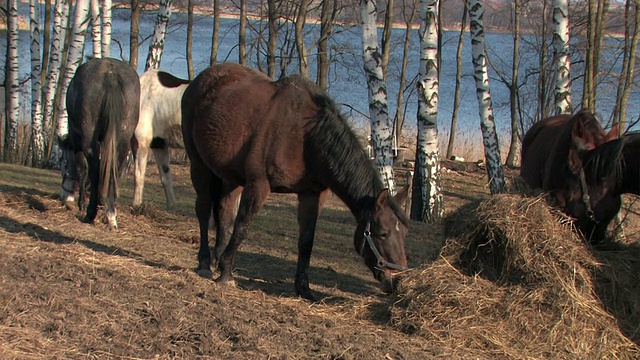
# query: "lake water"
347, 83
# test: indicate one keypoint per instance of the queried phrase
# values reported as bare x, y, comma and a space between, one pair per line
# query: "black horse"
103, 102
611, 169
243, 130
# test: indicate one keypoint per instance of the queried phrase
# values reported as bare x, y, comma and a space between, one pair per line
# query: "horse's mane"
334, 143
606, 160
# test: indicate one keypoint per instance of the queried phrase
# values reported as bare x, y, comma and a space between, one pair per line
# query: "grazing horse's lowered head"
553, 159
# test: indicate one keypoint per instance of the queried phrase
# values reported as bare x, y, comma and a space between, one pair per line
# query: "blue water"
347, 83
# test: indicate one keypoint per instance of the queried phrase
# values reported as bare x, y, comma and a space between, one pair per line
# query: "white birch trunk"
106, 28
381, 125
13, 93
96, 30
55, 58
561, 57
156, 46
74, 59
428, 201
37, 137
481, 75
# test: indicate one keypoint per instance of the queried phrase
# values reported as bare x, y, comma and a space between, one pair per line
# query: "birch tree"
106, 28
55, 61
381, 126
74, 58
561, 59
485, 105
156, 46
37, 136
96, 28
427, 204
12, 85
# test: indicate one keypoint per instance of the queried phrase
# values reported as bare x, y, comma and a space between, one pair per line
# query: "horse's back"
244, 125
538, 146
160, 113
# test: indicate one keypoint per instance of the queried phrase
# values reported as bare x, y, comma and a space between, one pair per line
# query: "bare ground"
72, 290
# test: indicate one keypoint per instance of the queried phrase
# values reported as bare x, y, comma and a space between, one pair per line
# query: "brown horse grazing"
552, 152
103, 103
611, 169
241, 129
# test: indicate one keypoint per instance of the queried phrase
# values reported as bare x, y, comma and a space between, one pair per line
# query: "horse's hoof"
205, 273
307, 296
226, 282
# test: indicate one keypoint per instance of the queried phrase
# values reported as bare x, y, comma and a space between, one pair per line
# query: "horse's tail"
112, 105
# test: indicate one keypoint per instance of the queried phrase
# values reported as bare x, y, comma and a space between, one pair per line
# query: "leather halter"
382, 263
585, 197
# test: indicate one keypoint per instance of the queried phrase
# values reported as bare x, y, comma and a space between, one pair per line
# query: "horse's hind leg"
141, 158
162, 159
82, 169
202, 179
309, 206
224, 214
94, 197
253, 197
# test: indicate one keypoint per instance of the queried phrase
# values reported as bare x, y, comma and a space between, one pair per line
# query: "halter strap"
381, 262
585, 197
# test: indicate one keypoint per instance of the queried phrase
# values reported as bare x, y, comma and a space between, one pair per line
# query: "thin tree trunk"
302, 50
542, 65
53, 76
242, 33
628, 77
272, 17
134, 32
46, 42
481, 75
381, 126
588, 79
96, 28
513, 89
216, 33
12, 86
327, 15
427, 204
37, 137
74, 59
386, 37
156, 46
106, 28
399, 118
456, 96
190, 70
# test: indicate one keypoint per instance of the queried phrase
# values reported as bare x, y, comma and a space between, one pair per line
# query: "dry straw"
519, 284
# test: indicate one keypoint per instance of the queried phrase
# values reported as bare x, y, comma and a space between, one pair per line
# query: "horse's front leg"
253, 197
162, 159
309, 205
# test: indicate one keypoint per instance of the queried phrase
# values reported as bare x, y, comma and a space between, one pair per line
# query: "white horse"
158, 129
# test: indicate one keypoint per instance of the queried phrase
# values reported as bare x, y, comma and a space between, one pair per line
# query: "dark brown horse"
241, 129
611, 169
103, 103
552, 159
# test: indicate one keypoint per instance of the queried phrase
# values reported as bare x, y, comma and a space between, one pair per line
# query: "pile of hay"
519, 284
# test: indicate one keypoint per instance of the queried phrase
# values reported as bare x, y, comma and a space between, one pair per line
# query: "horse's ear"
402, 194
614, 133
383, 198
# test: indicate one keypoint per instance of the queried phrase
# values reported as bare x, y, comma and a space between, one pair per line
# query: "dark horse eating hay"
103, 103
241, 129
552, 160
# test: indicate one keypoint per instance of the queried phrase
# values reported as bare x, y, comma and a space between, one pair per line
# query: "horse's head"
68, 170
379, 238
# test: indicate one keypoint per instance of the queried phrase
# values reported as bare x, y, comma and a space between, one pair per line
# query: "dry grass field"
512, 282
